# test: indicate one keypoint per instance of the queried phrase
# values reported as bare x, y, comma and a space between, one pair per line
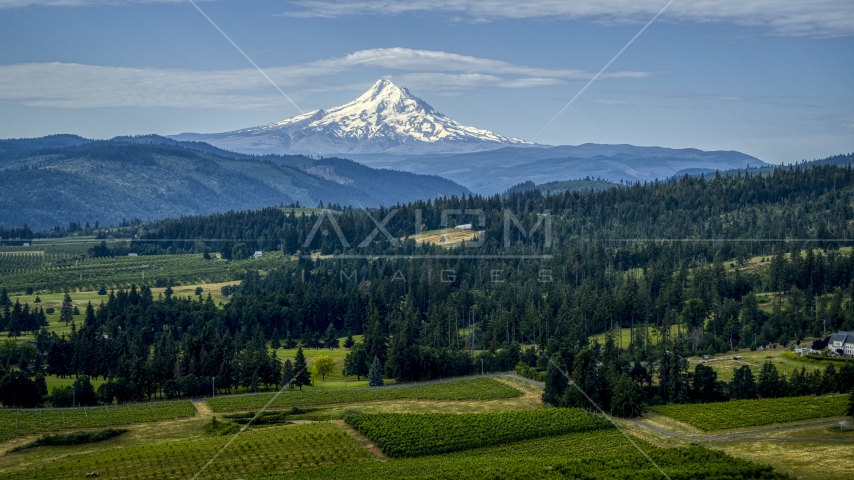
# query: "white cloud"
71, 85
787, 17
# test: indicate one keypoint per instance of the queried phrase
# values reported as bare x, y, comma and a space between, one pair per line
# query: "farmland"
269, 450
474, 389
56, 272
15, 423
751, 413
603, 454
414, 435
538, 443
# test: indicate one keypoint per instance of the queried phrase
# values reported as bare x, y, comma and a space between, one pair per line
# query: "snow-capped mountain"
385, 119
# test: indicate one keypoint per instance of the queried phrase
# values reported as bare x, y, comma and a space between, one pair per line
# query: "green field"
269, 450
15, 422
751, 413
725, 365
474, 389
57, 272
414, 435
603, 454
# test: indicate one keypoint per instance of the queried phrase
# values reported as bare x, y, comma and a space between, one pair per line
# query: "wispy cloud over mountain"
72, 85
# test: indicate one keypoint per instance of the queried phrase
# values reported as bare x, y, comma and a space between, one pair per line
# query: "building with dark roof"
842, 343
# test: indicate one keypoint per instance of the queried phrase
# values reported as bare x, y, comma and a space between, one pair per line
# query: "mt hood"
385, 119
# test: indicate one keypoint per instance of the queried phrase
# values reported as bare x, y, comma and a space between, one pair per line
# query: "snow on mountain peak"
385, 119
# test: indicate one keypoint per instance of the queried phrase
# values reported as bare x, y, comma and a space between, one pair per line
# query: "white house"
466, 226
257, 254
842, 343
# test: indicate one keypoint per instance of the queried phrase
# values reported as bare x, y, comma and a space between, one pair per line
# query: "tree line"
615, 261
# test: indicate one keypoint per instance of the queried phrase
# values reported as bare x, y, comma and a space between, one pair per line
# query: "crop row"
122, 271
264, 451
14, 423
15, 262
415, 435
602, 454
751, 413
473, 389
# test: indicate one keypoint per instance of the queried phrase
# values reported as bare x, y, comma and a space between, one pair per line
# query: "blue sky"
769, 78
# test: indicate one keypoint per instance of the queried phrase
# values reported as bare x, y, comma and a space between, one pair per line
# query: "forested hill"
789, 203
728, 261
55, 180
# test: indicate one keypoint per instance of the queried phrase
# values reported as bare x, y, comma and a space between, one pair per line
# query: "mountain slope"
497, 170
385, 119
111, 180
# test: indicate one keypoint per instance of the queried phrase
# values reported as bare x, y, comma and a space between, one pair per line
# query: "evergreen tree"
275, 344
302, 376
330, 340
830, 380
673, 374
4, 298
288, 375
66, 311
770, 384
743, 385
290, 343
375, 375
41, 384
375, 338
17, 389
627, 398
706, 387
13, 324
846, 377
349, 342
798, 385
556, 381
356, 361
587, 376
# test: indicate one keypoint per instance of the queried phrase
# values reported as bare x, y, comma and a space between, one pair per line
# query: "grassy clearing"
276, 449
474, 389
446, 237
828, 461
751, 413
624, 335
725, 365
54, 381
